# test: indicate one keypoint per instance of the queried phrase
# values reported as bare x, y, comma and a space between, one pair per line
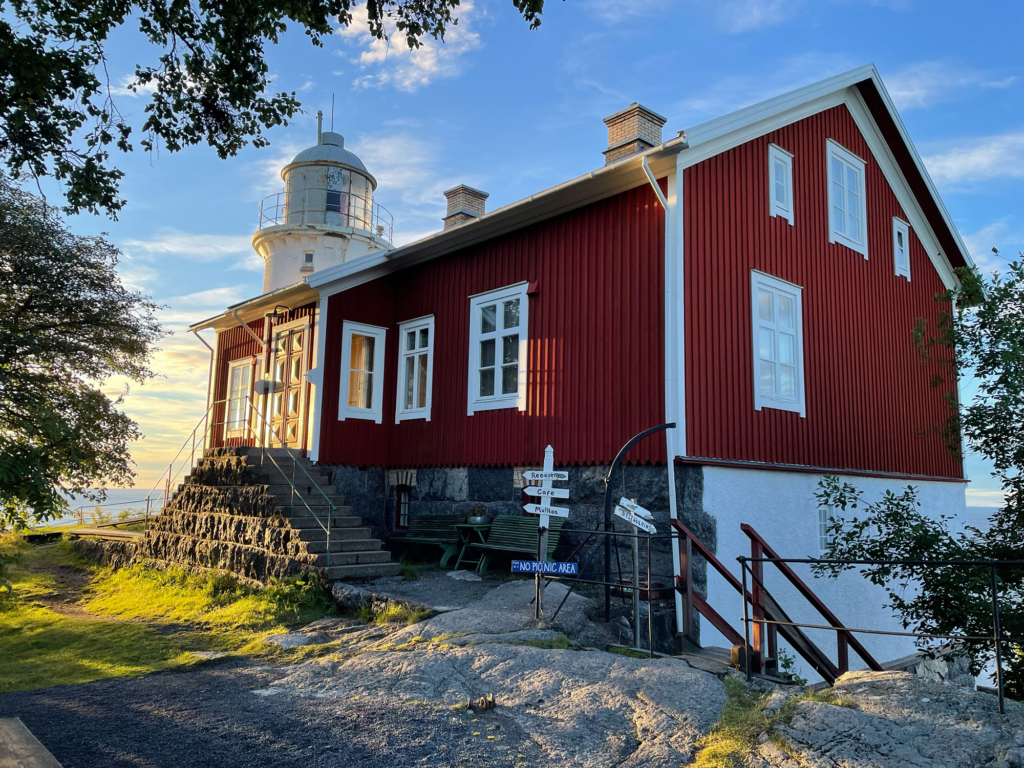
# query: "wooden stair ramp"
764, 647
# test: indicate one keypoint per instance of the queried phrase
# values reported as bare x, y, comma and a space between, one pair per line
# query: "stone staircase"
233, 514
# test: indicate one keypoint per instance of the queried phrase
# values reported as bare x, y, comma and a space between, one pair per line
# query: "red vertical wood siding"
235, 344
595, 352
868, 397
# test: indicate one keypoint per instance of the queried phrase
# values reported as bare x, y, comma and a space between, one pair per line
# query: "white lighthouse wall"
782, 508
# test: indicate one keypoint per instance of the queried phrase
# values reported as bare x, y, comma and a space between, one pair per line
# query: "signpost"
545, 493
638, 517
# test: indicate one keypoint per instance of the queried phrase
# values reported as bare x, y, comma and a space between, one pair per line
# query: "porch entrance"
288, 386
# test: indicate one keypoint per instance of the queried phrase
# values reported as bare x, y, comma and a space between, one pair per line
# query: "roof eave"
605, 181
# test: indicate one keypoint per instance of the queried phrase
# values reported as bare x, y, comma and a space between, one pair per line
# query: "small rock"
295, 639
350, 598
209, 654
463, 576
762, 739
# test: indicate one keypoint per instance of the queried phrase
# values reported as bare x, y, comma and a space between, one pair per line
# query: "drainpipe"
209, 380
654, 184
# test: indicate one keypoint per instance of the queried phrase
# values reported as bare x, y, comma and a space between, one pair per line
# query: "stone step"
305, 489
310, 535
284, 499
318, 547
353, 558
337, 521
369, 571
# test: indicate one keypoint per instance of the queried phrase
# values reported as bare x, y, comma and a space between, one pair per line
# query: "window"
497, 349
847, 206
778, 344
239, 391
826, 517
780, 182
901, 247
402, 493
307, 261
362, 372
415, 369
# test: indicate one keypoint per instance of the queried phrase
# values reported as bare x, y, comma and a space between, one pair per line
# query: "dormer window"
780, 182
846, 198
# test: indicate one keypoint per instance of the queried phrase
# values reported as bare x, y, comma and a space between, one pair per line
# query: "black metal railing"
750, 565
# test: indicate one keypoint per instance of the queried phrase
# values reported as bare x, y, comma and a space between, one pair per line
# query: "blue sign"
552, 569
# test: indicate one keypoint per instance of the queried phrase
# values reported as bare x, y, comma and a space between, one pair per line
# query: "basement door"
288, 385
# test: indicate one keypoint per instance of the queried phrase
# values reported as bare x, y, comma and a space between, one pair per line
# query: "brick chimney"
464, 203
634, 129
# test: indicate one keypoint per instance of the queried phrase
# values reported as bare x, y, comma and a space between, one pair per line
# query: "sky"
514, 111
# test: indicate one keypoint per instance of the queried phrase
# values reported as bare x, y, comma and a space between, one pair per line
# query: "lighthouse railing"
339, 209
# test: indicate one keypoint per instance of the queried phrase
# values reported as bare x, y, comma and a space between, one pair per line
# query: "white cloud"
979, 160
936, 82
1004, 234
140, 90
392, 62
193, 247
734, 92
411, 181
736, 16
614, 11
977, 497
268, 168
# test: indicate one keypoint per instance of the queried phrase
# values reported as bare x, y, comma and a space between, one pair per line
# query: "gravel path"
213, 717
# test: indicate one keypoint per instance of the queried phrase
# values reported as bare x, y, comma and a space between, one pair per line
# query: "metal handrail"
331, 508
169, 472
354, 211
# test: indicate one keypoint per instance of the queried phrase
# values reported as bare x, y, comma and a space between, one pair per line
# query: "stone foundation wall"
456, 490
117, 554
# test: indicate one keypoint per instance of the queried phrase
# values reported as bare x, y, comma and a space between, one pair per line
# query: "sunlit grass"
127, 610
734, 738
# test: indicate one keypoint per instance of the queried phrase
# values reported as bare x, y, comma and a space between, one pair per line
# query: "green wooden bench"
512, 533
435, 529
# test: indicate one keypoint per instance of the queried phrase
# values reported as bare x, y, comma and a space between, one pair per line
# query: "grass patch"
557, 643
394, 614
735, 736
236, 614
628, 652
125, 631
408, 571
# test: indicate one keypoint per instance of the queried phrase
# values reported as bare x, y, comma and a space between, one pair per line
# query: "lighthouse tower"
325, 215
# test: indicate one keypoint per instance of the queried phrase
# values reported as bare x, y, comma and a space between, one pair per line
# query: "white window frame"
517, 399
759, 280
900, 226
401, 412
777, 154
845, 156
376, 413
244, 363
826, 516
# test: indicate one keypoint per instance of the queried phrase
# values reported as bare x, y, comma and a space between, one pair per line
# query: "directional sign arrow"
635, 508
632, 519
538, 509
539, 474
554, 493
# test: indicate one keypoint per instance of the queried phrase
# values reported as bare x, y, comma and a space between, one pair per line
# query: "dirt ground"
214, 718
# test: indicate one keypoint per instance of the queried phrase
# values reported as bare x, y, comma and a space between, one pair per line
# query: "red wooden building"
754, 279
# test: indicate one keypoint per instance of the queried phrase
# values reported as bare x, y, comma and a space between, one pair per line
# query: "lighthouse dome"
331, 150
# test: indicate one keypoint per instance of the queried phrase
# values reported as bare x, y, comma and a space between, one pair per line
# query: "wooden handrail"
813, 599
768, 609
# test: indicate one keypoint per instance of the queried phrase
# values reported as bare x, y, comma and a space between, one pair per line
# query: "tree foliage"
983, 337
208, 83
68, 325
